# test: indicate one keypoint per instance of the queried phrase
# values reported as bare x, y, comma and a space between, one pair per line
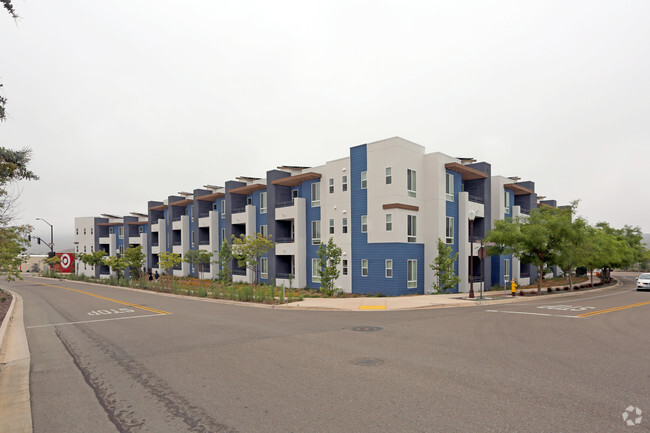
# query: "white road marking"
98, 320
532, 314
565, 307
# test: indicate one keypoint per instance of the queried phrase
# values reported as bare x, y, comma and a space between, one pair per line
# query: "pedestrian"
157, 276
513, 285
150, 275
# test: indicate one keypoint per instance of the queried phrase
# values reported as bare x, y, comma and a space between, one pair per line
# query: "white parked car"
643, 282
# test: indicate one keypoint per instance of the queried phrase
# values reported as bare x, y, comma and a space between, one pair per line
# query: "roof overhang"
182, 202
109, 224
518, 189
248, 189
211, 197
400, 206
159, 207
137, 223
297, 179
468, 173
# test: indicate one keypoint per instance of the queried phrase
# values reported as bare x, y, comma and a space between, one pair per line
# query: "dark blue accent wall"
377, 253
312, 214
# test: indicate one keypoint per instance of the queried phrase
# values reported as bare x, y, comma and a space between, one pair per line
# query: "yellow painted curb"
372, 307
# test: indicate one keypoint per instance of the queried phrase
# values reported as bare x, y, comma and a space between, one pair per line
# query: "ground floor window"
264, 267
315, 276
412, 274
364, 267
389, 268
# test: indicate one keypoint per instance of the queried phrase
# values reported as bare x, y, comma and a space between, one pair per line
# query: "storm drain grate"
367, 362
366, 328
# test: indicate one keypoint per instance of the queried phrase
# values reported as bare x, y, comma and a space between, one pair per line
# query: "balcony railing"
283, 275
240, 272
476, 199
177, 218
475, 238
204, 242
525, 211
284, 240
239, 210
155, 243
284, 204
176, 243
204, 214
524, 275
477, 279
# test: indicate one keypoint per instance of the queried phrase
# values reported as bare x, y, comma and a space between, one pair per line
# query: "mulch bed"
5, 302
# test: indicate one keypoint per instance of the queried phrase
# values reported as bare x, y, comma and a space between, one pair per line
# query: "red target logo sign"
67, 263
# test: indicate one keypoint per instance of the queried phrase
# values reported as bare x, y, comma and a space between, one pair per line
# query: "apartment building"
385, 205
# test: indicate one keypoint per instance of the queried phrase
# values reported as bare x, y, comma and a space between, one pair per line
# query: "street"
106, 359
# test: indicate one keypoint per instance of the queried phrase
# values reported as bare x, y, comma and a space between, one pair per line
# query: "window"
344, 225
121, 232
110, 230
315, 194
344, 265
331, 185
449, 187
506, 200
264, 230
315, 232
121, 249
364, 179
294, 194
389, 268
364, 223
91, 230
92, 248
331, 226
263, 205
410, 183
85, 228
449, 232
192, 238
344, 183
315, 275
77, 248
264, 267
411, 228
140, 229
223, 236
412, 274
249, 201
77, 229
389, 222
214, 206
223, 209
506, 270
84, 248
389, 175
364, 267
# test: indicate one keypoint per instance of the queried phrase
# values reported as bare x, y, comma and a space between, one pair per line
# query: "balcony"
204, 242
476, 199
239, 272
155, 227
284, 204
239, 210
285, 248
284, 240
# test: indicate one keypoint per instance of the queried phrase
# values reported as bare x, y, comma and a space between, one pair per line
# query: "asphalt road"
113, 360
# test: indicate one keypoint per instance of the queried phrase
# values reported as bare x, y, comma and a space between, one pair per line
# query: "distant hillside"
646, 239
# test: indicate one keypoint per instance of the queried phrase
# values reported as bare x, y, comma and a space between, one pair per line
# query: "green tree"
95, 258
53, 261
329, 256
198, 257
443, 268
168, 261
572, 233
12, 252
117, 264
223, 261
135, 258
248, 250
536, 239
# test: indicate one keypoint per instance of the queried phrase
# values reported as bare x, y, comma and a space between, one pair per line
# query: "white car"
643, 282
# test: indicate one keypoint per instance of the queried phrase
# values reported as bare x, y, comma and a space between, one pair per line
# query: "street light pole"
51, 234
472, 215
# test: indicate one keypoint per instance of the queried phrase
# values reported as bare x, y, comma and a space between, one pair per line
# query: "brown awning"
182, 202
211, 197
297, 179
400, 206
468, 173
137, 223
248, 189
159, 207
109, 224
518, 189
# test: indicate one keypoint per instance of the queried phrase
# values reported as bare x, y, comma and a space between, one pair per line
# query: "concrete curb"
15, 404
5, 322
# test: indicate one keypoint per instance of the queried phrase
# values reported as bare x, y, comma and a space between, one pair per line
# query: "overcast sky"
128, 101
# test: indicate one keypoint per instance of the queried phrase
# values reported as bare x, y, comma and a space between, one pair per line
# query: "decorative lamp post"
472, 215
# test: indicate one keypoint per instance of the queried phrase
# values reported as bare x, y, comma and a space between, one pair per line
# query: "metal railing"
176, 243
476, 199
284, 204
204, 214
204, 242
177, 218
240, 272
239, 210
525, 211
283, 275
477, 279
284, 240
155, 243
524, 275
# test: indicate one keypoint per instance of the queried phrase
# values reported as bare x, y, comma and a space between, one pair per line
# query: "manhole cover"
366, 328
367, 362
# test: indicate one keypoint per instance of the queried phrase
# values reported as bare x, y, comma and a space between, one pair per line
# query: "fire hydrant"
513, 286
